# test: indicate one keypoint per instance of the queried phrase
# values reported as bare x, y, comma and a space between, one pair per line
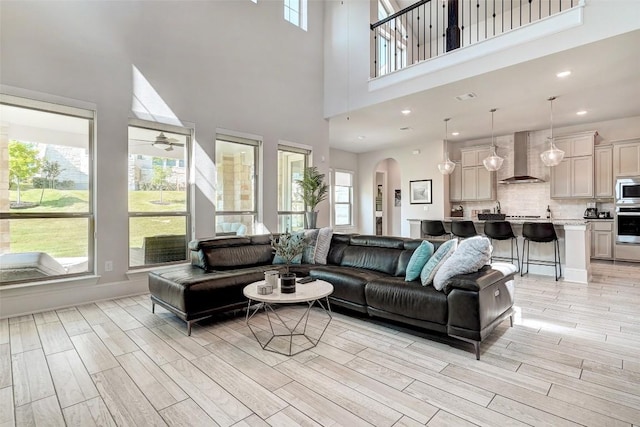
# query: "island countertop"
520, 221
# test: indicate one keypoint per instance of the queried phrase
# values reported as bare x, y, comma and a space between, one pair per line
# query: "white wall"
409, 167
218, 64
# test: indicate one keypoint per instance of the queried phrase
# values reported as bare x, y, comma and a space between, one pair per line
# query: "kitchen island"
574, 237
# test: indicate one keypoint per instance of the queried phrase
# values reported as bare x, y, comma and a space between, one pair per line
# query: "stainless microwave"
628, 191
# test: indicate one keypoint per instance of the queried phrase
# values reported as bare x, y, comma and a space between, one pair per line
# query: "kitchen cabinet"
455, 184
602, 239
603, 163
573, 177
626, 158
477, 183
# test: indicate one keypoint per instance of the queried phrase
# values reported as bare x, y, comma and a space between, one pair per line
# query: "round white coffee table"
312, 293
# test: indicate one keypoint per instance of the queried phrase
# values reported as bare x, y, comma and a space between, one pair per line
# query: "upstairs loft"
395, 56
428, 29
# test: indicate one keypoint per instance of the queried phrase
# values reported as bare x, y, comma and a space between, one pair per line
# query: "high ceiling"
604, 82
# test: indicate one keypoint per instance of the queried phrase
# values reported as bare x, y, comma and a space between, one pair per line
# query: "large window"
236, 185
158, 194
295, 12
342, 198
291, 164
46, 190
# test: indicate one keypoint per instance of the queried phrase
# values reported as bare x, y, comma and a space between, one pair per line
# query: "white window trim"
348, 227
302, 14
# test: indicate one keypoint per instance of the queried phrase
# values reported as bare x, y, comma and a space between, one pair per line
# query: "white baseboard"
52, 296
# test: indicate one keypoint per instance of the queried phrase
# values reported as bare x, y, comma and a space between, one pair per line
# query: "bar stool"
463, 229
501, 230
540, 232
433, 228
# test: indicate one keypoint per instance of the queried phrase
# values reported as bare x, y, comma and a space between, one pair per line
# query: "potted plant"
288, 247
314, 191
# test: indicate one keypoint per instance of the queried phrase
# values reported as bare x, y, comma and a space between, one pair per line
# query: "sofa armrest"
482, 278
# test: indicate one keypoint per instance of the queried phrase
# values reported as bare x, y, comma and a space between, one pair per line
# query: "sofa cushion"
435, 262
348, 283
383, 260
408, 299
470, 256
419, 258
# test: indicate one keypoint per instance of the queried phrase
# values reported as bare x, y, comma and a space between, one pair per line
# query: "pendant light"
553, 156
447, 166
493, 162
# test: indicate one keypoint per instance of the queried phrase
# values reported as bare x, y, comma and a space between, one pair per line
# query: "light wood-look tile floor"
572, 358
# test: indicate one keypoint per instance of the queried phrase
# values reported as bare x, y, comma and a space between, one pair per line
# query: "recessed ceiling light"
563, 74
406, 112
466, 96
361, 137
405, 128
581, 112
455, 133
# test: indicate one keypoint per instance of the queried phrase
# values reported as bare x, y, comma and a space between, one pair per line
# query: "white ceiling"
605, 81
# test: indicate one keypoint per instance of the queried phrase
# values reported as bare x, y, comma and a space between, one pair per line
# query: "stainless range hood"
520, 161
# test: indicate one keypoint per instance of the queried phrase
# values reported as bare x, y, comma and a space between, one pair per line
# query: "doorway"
387, 209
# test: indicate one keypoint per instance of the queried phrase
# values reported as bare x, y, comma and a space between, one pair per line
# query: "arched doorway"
387, 209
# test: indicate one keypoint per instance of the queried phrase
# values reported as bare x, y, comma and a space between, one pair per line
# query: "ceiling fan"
162, 141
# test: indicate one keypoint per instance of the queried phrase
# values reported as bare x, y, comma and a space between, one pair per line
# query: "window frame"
187, 213
256, 144
351, 203
301, 11
307, 162
64, 109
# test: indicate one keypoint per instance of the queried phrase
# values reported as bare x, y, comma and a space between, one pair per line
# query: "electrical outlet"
426, 208
108, 266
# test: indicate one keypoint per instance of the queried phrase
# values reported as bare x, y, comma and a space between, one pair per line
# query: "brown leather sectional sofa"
368, 275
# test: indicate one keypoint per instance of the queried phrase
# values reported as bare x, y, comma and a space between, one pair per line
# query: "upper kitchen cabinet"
573, 178
626, 157
455, 184
477, 183
603, 159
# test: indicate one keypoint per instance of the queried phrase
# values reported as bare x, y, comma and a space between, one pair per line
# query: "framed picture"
397, 201
420, 192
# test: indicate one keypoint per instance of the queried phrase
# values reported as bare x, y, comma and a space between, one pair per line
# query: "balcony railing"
430, 28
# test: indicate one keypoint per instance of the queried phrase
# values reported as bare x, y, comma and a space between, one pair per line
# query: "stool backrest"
499, 230
539, 231
463, 229
432, 228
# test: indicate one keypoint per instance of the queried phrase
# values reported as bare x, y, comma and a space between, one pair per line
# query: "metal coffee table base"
291, 332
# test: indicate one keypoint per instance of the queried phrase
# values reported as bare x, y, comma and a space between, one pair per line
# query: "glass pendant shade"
446, 167
553, 156
493, 162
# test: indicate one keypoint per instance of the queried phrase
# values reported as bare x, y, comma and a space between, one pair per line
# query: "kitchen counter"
574, 236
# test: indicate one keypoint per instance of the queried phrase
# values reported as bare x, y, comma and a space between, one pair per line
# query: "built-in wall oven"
628, 224
628, 210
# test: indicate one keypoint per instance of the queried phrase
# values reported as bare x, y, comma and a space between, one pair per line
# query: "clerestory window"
295, 12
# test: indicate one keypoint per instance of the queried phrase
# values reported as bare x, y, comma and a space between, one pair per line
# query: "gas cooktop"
523, 216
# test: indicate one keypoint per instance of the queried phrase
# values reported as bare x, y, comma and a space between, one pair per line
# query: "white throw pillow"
470, 256
323, 244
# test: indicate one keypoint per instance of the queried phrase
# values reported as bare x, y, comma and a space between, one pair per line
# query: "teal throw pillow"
419, 258
298, 258
435, 262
